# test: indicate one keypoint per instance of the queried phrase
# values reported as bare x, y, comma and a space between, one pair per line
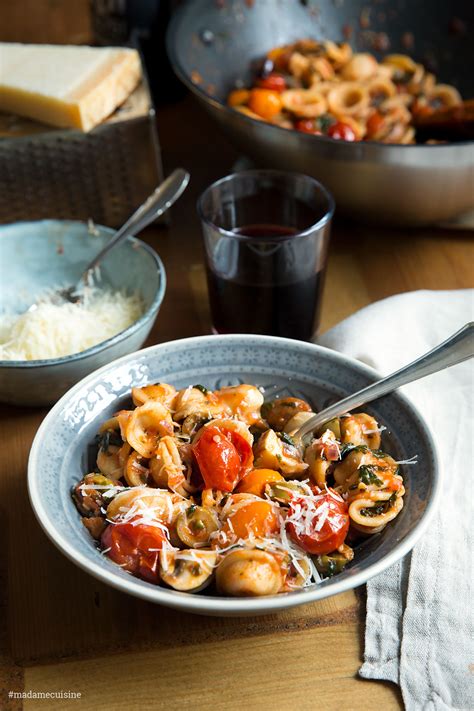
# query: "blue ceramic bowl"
36, 256
58, 457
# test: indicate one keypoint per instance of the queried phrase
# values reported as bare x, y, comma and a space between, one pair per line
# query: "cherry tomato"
238, 97
255, 481
308, 513
274, 82
265, 103
257, 517
223, 457
135, 547
307, 126
341, 131
374, 124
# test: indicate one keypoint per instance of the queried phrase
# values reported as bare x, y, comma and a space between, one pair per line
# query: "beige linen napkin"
419, 631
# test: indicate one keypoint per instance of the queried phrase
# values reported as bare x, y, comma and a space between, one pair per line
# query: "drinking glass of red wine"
266, 235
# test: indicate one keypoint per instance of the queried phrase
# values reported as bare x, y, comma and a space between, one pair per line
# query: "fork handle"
456, 349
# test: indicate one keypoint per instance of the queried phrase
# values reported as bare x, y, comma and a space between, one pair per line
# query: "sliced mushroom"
187, 570
271, 452
283, 492
278, 412
297, 421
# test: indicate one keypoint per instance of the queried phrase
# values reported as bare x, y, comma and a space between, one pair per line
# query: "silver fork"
456, 349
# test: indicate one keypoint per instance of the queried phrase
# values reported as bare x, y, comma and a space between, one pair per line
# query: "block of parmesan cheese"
66, 86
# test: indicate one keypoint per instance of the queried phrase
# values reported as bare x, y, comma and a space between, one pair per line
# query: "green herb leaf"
286, 438
379, 453
346, 448
368, 476
109, 438
379, 509
325, 122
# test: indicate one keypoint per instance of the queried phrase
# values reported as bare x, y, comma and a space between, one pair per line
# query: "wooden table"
62, 630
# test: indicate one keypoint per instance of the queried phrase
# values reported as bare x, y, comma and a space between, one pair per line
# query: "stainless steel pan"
211, 44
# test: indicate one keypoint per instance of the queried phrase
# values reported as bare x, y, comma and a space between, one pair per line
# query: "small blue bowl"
59, 455
36, 256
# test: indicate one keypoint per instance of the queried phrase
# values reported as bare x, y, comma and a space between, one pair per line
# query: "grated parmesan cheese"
49, 330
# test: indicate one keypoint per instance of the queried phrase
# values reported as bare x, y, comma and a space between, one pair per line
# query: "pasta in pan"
197, 487
324, 88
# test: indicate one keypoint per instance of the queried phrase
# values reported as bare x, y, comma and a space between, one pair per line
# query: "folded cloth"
419, 631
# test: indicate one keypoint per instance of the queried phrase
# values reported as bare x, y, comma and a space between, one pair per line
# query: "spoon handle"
154, 206
456, 349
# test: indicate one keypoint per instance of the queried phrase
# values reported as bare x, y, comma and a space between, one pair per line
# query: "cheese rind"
66, 86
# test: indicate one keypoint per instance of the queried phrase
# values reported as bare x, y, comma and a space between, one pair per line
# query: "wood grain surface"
62, 630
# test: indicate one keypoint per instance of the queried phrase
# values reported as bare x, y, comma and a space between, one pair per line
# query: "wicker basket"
102, 175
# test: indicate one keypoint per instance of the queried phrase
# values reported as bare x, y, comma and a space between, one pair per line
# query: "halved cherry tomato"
223, 457
265, 103
341, 131
309, 512
255, 481
135, 547
374, 124
274, 82
257, 517
307, 126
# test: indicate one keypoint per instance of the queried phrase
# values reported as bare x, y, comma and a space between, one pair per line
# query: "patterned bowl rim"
221, 605
134, 243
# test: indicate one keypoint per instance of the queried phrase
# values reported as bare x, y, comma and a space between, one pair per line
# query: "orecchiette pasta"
200, 488
323, 88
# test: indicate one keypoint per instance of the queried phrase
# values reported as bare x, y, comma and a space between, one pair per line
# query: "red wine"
266, 285
291, 310
268, 231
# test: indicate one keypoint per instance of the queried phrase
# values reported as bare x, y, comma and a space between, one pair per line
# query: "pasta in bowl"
195, 487
324, 88
159, 526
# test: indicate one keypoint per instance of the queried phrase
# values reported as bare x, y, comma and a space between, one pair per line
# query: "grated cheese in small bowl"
49, 330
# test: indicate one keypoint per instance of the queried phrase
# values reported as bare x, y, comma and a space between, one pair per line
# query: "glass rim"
327, 217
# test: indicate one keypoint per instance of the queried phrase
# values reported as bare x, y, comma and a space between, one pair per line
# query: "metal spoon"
456, 349
154, 206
